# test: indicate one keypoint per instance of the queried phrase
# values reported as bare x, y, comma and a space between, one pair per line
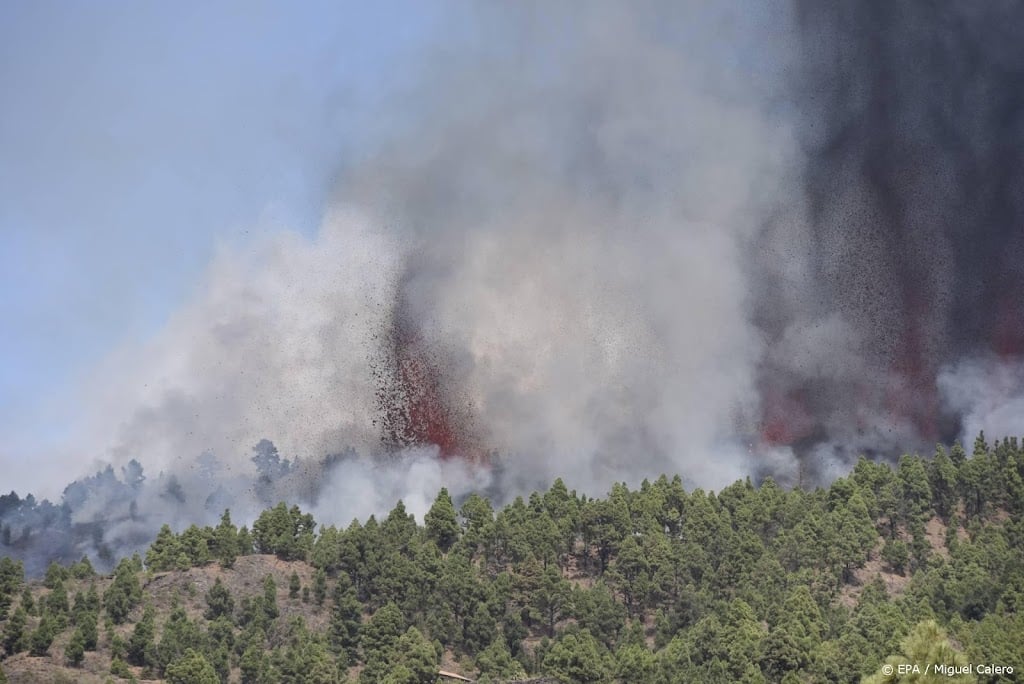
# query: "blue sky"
136, 137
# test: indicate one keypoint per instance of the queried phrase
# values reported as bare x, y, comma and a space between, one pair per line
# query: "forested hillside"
923, 560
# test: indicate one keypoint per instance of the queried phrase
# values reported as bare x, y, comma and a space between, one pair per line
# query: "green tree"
926, 645
599, 613
191, 668
255, 666
56, 604
942, 479
41, 638
219, 601
414, 661
195, 544
304, 659
325, 553
381, 633
997, 638
270, 597
180, 634
141, 648
634, 663
74, 652
120, 669
478, 520
12, 575
225, 541
630, 574
287, 533
551, 597
164, 551
294, 585
245, 541
319, 586
14, 638
496, 662
442, 527
479, 629
90, 631
782, 654
896, 554
28, 604
124, 592
55, 573
915, 490
576, 658
83, 569
345, 622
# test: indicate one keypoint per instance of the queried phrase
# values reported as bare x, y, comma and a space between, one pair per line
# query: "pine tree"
270, 597
195, 544
479, 629
635, 663
164, 551
442, 526
12, 575
926, 645
478, 516
288, 533
576, 658
28, 604
245, 541
191, 668
346, 621
320, 587
74, 652
381, 633
55, 573
551, 597
254, 665
179, 635
56, 604
120, 669
41, 638
417, 656
141, 647
14, 638
219, 601
225, 541
90, 631
124, 592
496, 662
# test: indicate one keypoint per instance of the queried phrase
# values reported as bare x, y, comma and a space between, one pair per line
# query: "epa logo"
901, 669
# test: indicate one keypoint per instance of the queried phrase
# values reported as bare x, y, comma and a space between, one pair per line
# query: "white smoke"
278, 342
988, 393
568, 221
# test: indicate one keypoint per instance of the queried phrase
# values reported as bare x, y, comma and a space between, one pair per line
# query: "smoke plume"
717, 239
913, 184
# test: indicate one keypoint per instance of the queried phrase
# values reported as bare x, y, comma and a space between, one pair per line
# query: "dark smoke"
914, 136
717, 239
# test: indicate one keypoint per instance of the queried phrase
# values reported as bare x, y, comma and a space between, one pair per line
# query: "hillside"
749, 584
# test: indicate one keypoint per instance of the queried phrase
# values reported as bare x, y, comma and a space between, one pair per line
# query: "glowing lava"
416, 398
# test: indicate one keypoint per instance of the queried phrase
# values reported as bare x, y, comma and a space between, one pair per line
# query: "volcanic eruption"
714, 239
